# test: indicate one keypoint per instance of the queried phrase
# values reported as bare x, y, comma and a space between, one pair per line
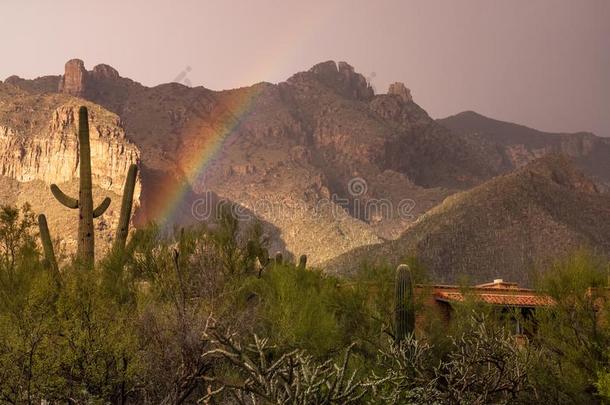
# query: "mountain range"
509, 227
303, 156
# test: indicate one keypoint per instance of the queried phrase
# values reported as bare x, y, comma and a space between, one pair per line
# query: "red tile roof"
497, 298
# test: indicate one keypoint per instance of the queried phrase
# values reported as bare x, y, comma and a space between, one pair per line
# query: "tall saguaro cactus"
404, 311
86, 239
126, 205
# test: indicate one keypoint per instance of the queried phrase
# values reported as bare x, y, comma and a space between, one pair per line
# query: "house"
501, 295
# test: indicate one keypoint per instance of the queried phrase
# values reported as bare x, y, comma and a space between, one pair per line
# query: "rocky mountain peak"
399, 89
14, 80
74, 79
103, 71
344, 79
325, 69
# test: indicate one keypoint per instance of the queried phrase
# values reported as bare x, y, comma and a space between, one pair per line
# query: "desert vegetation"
206, 316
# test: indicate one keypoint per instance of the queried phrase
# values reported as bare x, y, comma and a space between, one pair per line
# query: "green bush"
296, 308
140, 328
574, 334
98, 346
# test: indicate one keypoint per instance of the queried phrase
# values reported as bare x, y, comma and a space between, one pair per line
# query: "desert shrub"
28, 361
266, 375
143, 328
574, 334
17, 236
482, 365
96, 339
172, 315
295, 308
603, 386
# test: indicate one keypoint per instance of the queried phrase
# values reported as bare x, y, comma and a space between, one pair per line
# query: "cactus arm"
100, 209
126, 205
47, 244
63, 198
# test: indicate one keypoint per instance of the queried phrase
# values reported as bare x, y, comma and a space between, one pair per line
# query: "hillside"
516, 145
289, 153
503, 228
38, 146
283, 151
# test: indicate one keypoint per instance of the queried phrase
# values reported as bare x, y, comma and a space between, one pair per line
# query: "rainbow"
202, 142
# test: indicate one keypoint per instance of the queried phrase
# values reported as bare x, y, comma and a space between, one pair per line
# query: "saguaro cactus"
86, 239
404, 311
47, 244
126, 205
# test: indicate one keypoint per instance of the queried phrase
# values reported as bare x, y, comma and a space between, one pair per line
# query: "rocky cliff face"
38, 146
38, 140
51, 155
74, 79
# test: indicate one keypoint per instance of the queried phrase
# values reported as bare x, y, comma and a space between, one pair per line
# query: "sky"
541, 63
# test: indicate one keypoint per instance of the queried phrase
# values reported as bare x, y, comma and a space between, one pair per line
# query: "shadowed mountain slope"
503, 228
516, 145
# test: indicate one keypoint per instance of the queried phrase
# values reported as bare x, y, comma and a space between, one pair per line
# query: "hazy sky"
545, 64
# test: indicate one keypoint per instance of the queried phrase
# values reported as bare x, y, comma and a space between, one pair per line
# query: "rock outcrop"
14, 80
74, 80
52, 155
399, 89
342, 77
44, 84
103, 71
77, 81
39, 146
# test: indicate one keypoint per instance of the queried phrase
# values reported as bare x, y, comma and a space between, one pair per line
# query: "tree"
27, 320
574, 333
16, 235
